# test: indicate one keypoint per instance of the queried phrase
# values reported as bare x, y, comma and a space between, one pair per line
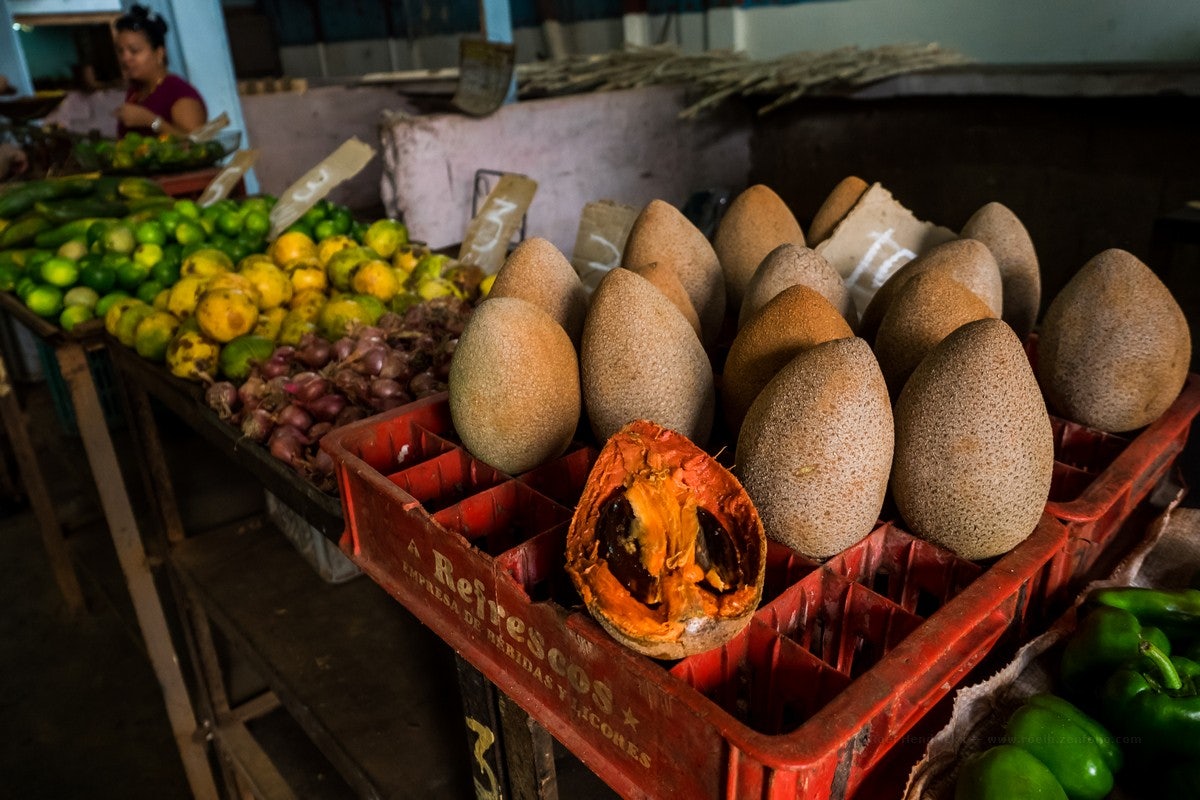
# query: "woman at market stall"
157, 101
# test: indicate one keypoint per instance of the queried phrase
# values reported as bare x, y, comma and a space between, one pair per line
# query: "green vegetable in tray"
1006, 772
145, 155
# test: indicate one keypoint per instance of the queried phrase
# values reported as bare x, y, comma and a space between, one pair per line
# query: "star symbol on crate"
630, 719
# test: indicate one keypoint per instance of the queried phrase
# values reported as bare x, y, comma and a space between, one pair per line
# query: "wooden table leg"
16, 424
123, 528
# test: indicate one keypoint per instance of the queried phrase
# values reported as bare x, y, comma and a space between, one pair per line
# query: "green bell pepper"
1159, 707
1006, 772
1068, 751
1099, 734
1177, 612
1107, 638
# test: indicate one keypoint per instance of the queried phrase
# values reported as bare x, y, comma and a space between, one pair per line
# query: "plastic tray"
839, 663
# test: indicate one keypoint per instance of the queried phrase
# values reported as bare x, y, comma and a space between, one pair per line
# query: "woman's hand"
132, 115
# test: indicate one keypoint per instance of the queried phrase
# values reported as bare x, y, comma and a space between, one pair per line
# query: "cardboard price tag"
603, 228
485, 243
210, 129
227, 178
340, 165
875, 239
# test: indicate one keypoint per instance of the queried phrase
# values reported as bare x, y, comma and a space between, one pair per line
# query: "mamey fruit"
663, 234
795, 320
926, 310
640, 359
665, 547
788, 265
1114, 347
666, 281
756, 222
974, 449
835, 208
815, 449
514, 385
999, 228
538, 272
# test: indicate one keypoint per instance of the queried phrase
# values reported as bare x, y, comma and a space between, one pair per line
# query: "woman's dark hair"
143, 19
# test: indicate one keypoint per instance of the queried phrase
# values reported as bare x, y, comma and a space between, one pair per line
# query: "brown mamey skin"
787, 265
967, 261
1114, 346
926, 310
692, 616
640, 359
974, 448
537, 271
815, 450
514, 385
797, 319
756, 222
667, 282
835, 208
999, 228
662, 234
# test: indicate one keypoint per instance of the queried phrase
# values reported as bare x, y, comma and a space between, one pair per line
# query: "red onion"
370, 333
322, 463
251, 391
395, 364
318, 430
327, 407
385, 387
222, 397
342, 348
314, 352
425, 383
387, 403
349, 414
287, 444
257, 425
275, 366
294, 416
370, 360
350, 382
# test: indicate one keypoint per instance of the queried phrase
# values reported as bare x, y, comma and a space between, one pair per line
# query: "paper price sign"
209, 129
226, 179
600, 242
486, 241
340, 165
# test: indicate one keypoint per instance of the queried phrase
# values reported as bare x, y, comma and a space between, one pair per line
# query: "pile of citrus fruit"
204, 291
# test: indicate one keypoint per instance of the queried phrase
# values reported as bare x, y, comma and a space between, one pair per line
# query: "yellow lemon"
309, 278
184, 295
405, 259
112, 315
375, 278
331, 245
269, 322
292, 245
131, 317
235, 281
272, 284
192, 355
294, 326
225, 314
153, 334
205, 263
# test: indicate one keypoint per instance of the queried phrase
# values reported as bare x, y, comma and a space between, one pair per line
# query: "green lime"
187, 208
81, 296
59, 271
74, 249
169, 219
314, 215
256, 223
230, 222
45, 301
148, 290
107, 300
189, 231
148, 254
73, 315
324, 230
150, 232
100, 277
95, 233
119, 239
165, 272
36, 258
131, 274
300, 227
24, 286
9, 275
341, 221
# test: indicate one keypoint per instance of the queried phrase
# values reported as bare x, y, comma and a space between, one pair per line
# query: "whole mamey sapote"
757, 221
537, 271
788, 265
665, 548
999, 228
974, 448
835, 207
815, 449
1114, 347
514, 385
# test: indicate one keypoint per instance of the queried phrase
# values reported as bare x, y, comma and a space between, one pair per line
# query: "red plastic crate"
840, 661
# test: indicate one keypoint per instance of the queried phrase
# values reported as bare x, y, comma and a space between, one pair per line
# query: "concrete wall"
625, 146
